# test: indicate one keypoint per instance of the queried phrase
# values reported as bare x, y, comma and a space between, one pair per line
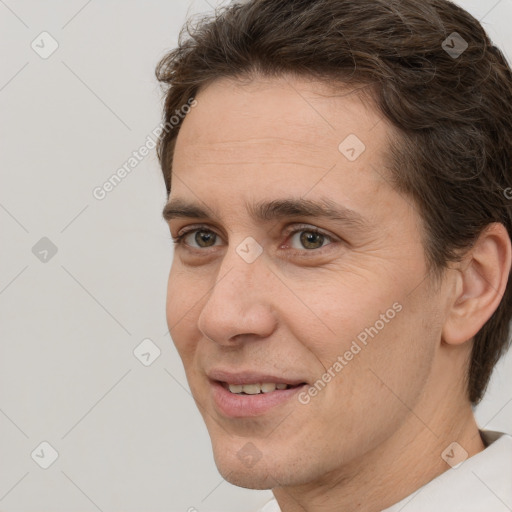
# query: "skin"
377, 430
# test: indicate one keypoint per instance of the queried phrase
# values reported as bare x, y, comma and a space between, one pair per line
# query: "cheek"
339, 313
382, 339
182, 310
184, 290
392, 368
173, 304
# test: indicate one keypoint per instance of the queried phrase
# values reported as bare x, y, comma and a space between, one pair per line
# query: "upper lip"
250, 377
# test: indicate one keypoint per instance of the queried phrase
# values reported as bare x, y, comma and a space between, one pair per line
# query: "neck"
407, 460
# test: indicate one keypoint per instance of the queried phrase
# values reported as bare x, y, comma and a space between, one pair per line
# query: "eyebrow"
276, 209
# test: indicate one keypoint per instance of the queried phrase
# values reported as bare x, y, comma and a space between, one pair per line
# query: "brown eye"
199, 238
205, 238
311, 240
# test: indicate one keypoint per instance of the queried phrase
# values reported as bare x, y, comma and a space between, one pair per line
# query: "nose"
239, 306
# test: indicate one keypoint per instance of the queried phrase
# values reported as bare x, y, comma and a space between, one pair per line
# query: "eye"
302, 237
203, 237
309, 238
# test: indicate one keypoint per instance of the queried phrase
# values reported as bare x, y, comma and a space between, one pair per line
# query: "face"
299, 265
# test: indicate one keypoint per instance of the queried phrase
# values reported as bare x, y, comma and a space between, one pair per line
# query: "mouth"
251, 399
258, 388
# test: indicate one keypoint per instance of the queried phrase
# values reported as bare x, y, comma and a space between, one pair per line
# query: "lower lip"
241, 406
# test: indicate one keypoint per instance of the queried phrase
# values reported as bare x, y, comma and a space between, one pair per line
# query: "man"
339, 293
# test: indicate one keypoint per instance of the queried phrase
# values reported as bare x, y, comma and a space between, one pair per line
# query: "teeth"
251, 389
254, 389
268, 387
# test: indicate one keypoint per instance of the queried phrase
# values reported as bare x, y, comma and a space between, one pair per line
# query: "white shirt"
482, 483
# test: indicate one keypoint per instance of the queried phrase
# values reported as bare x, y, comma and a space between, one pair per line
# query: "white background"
128, 436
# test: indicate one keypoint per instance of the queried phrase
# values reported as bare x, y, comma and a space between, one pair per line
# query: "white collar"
482, 483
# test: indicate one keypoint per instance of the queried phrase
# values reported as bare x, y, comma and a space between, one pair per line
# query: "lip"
232, 405
250, 377
244, 406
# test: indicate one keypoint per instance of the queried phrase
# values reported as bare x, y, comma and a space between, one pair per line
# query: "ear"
481, 282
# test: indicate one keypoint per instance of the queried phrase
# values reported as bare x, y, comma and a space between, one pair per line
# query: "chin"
244, 467
249, 479
262, 472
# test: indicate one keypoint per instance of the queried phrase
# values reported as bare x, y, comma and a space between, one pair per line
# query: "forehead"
280, 135
309, 117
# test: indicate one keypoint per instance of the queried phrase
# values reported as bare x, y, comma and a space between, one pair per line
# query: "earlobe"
481, 282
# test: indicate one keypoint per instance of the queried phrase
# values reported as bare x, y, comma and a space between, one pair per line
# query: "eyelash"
179, 240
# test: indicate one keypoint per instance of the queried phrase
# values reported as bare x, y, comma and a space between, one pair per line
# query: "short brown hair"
453, 112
